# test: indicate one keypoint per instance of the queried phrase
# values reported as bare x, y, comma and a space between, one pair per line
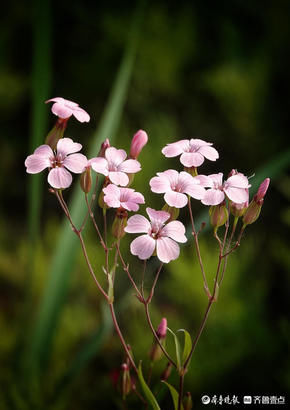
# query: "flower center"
57, 161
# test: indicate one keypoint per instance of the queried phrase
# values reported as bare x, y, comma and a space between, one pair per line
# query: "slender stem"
126, 269
95, 223
180, 396
154, 284
155, 335
143, 277
116, 325
195, 236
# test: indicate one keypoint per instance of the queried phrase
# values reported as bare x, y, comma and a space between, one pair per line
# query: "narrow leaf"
177, 348
174, 395
187, 345
148, 393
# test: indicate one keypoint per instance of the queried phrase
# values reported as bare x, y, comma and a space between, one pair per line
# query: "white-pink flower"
192, 152
157, 235
126, 198
115, 166
235, 188
176, 186
60, 162
65, 109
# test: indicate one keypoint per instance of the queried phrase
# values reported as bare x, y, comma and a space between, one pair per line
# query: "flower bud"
119, 223
156, 352
187, 402
254, 209
86, 180
56, 133
126, 380
139, 140
218, 215
104, 146
238, 210
262, 189
166, 373
233, 172
162, 329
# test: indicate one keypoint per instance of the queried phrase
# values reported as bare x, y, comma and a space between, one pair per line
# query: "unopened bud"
86, 180
119, 223
187, 401
166, 373
254, 209
238, 210
218, 215
139, 140
104, 146
56, 133
162, 329
126, 380
156, 352
233, 172
262, 189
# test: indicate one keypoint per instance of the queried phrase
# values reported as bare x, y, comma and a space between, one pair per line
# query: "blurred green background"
217, 71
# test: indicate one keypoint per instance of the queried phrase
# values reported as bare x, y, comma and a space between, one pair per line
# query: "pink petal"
119, 178
213, 197
191, 159
130, 206
217, 179
56, 99
209, 152
138, 224
75, 163
36, 163
61, 110
112, 190
159, 184
204, 181
115, 156
238, 181
237, 195
172, 175
100, 165
137, 197
59, 178
158, 217
195, 191
66, 146
176, 199
176, 148
167, 249
175, 230
81, 115
196, 142
44, 151
143, 247
130, 166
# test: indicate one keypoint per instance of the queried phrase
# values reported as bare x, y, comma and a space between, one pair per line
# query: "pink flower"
126, 198
65, 109
139, 140
235, 188
115, 167
192, 152
176, 187
157, 235
59, 163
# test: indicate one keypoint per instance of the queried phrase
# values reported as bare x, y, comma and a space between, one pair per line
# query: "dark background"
218, 71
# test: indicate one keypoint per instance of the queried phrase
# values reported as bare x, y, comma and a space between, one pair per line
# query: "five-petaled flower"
64, 109
125, 198
176, 186
59, 162
192, 152
115, 166
235, 188
157, 235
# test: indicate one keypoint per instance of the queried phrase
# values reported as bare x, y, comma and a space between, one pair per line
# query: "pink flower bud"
126, 380
119, 223
56, 133
86, 180
238, 210
162, 329
218, 215
166, 373
104, 146
253, 212
232, 173
262, 189
139, 140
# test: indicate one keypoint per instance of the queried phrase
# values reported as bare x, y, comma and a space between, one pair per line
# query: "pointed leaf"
148, 393
187, 344
177, 348
174, 395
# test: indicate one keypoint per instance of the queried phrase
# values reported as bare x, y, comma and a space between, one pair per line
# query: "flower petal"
176, 199
115, 156
237, 181
100, 165
130, 166
195, 191
143, 247
209, 152
66, 146
112, 196
75, 163
61, 111
176, 148
191, 159
213, 197
81, 115
36, 163
167, 249
159, 217
175, 230
138, 224
44, 151
237, 195
119, 178
59, 178
160, 184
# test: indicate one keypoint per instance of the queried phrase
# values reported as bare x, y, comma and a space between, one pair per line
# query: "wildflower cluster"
161, 232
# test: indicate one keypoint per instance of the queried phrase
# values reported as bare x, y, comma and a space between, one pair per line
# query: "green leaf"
187, 345
111, 288
177, 349
174, 395
38, 349
148, 393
